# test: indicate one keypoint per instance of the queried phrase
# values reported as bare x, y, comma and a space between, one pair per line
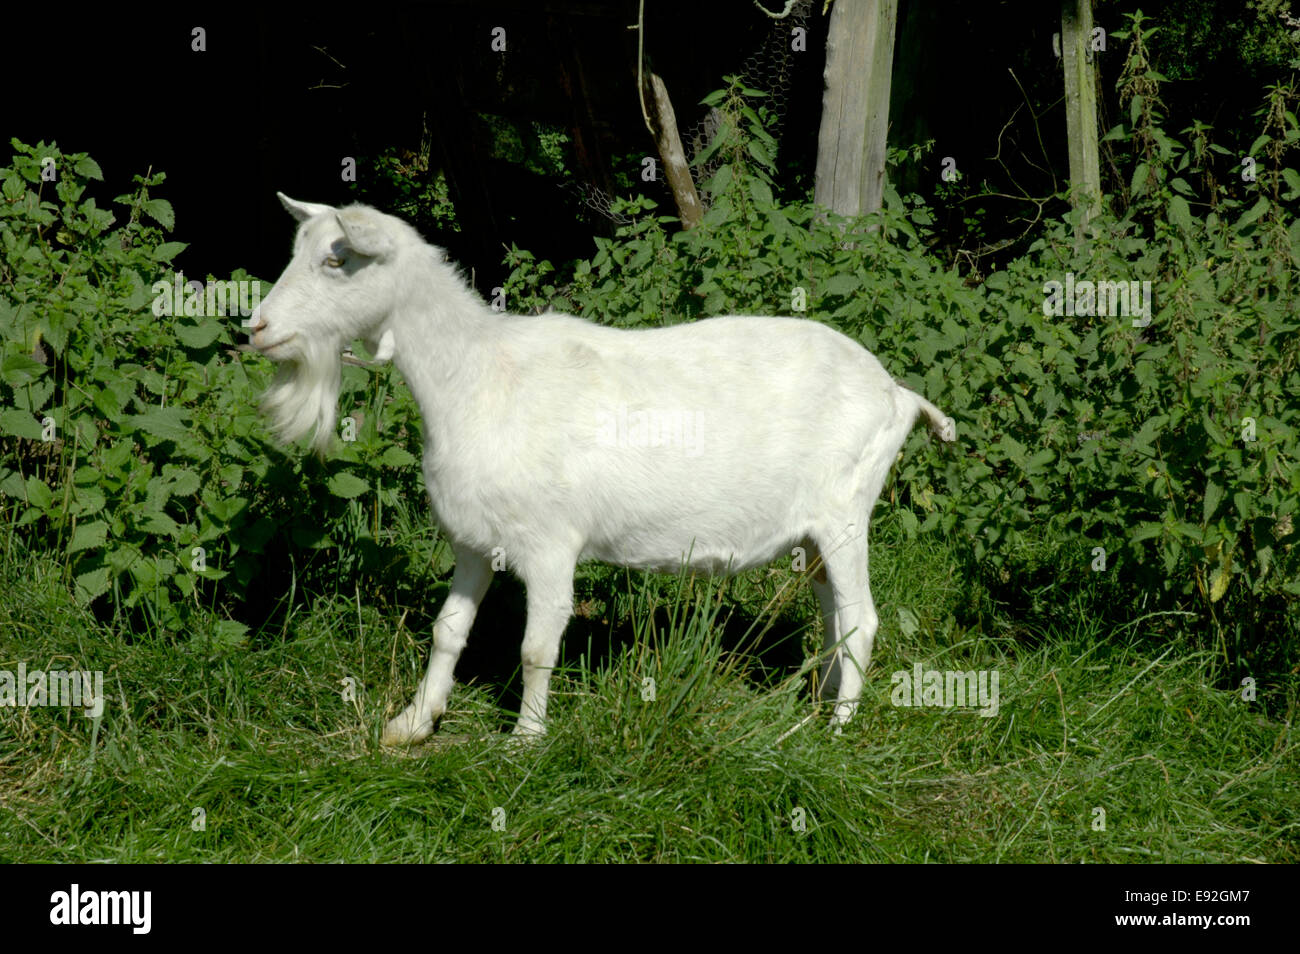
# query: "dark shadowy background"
281, 96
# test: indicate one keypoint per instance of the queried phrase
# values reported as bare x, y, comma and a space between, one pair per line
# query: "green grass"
1093, 715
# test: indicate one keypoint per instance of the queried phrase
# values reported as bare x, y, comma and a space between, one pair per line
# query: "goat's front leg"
550, 604
450, 633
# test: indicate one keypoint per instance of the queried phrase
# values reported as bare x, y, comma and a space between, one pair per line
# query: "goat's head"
338, 287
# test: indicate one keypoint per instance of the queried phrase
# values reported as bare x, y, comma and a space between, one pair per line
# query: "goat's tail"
943, 427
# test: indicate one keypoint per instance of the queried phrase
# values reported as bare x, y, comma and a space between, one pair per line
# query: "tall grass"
679, 732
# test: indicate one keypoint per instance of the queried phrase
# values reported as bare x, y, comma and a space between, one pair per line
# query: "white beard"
304, 394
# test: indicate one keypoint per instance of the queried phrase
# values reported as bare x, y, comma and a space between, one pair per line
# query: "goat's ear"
302, 211
363, 234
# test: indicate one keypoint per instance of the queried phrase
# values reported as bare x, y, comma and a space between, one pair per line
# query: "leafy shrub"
130, 440
1153, 466
1141, 470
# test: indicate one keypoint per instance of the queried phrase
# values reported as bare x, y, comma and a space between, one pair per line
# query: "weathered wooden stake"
855, 106
663, 122
1081, 107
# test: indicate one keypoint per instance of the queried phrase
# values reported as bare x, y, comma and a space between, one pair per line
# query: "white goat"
544, 441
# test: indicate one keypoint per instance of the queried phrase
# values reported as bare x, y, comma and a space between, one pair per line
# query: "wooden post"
663, 122
855, 107
1081, 106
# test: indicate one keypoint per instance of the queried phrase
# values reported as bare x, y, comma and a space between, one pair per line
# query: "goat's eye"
334, 262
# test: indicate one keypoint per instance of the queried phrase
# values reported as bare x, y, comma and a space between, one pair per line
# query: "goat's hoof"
407, 729
528, 731
843, 715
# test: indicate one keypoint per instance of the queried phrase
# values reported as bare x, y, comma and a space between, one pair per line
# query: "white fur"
722, 444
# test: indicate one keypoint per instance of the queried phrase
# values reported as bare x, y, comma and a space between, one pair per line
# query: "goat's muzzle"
258, 333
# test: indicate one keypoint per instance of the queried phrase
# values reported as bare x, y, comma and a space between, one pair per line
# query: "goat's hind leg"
450, 633
849, 590
550, 604
828, 677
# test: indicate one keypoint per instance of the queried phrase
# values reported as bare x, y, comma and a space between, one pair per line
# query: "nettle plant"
1156, 449
1149, 468
111, 415
130, 440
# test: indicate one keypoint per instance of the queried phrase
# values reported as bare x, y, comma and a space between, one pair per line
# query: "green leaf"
13, 188
88, 536
1138, 184
88, 500
19, 424
88, 168
843, 283
35, 396
92, 584
199, 336
164, 423
160, 210
169, 250
38, 494
159, 524
1145, 531
398, 457
719, 181
1213, 497
1039, 460
1255, 211
1179, 213
1212, 429
347, 485
183, 481
1293, 181
107, 402
18, 370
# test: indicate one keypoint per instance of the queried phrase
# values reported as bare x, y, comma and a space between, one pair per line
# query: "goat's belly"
714, 518
663, 551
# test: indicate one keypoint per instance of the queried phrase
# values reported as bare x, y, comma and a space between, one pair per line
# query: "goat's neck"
443, 349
